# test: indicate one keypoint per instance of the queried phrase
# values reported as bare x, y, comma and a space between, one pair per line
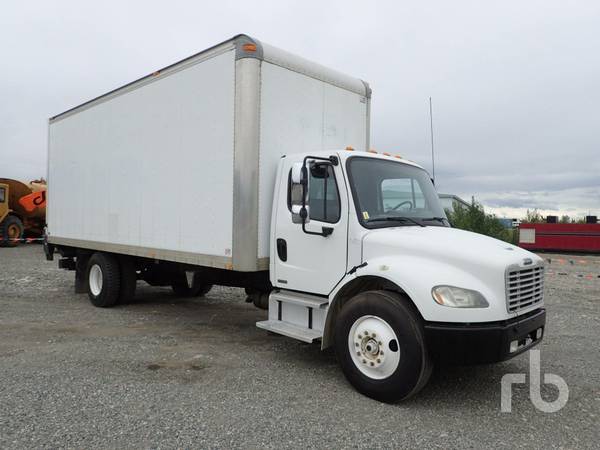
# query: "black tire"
128, 274
11, 230
414, 366
181, 288
106, 293
260, 299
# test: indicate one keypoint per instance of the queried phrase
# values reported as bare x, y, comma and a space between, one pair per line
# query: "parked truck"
247, 166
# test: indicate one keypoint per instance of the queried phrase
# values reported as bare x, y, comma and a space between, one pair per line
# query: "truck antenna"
431, 129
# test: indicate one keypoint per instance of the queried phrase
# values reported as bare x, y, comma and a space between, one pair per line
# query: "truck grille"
524, 287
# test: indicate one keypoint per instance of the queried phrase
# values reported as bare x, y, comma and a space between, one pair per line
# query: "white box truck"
246, 166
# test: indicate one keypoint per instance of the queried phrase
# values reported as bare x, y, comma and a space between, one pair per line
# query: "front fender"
417, 276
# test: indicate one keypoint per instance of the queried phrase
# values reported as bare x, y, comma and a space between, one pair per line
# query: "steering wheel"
406, 202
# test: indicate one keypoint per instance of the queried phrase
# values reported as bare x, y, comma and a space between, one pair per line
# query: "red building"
563, 237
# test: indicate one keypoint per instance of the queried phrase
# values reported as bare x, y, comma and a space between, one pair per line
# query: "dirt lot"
168, 372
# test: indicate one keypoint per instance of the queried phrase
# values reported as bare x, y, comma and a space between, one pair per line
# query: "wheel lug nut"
356, 344
364, 361
358, 353
374, 335
372, 364
378, 361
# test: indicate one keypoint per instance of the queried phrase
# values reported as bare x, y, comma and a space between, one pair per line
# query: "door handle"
282, 249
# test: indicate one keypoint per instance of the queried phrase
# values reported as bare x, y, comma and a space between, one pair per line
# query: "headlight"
458, 297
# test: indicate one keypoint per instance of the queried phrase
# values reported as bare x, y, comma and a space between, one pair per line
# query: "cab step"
290, 330
296, 315
296, 298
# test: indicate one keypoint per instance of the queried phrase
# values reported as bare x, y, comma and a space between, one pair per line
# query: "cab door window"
324, 197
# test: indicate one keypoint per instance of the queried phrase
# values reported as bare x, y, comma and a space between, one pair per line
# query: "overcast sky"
515, 84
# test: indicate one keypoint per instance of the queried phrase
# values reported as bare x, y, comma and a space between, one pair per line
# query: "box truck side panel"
300, 113
149, 171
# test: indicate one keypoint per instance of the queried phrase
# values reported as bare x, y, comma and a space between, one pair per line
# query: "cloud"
559, 202
514, 84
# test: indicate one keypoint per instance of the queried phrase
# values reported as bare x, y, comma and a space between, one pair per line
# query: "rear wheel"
380, 343
190, 287
259, 298
127, 271
12, 230
103, 280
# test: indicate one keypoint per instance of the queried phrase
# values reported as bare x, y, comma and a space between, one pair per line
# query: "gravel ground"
164, 372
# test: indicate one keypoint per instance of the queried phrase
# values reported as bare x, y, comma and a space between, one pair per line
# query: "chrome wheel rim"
95, 280
374, 347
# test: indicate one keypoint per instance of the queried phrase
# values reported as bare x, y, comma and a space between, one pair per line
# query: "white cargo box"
180, 165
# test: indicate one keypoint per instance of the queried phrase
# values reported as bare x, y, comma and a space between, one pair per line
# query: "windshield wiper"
438, 219
395, 219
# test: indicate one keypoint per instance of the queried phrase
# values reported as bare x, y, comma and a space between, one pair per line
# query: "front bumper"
485, 342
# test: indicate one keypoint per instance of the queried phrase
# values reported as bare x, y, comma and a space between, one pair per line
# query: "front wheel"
11, 230
380, 343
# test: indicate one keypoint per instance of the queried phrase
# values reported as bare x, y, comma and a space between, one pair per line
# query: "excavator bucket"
33, 201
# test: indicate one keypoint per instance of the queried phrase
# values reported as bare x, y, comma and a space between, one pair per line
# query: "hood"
449, 245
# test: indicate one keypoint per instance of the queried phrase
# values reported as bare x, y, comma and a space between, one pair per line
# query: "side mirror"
299, 191
299, 213
297, 173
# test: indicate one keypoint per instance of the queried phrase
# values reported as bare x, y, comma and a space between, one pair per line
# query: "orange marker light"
350, 149
438, 298
387, 154
372, 151
398, 156
249, 47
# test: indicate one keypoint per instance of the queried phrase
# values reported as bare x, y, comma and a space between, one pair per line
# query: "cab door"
304, 261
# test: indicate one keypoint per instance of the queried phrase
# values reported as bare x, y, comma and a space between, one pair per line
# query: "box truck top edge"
311, 69
190, 60
245, 47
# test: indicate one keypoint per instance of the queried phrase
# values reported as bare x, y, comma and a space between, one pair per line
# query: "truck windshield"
389, 193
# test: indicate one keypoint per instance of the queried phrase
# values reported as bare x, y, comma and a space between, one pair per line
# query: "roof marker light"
398, 156
350, 148
372, 151
387, 154
249, 47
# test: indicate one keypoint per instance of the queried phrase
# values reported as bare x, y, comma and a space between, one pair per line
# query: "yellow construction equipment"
22, 210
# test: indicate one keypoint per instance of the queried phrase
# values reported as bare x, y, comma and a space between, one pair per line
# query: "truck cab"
363, 258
